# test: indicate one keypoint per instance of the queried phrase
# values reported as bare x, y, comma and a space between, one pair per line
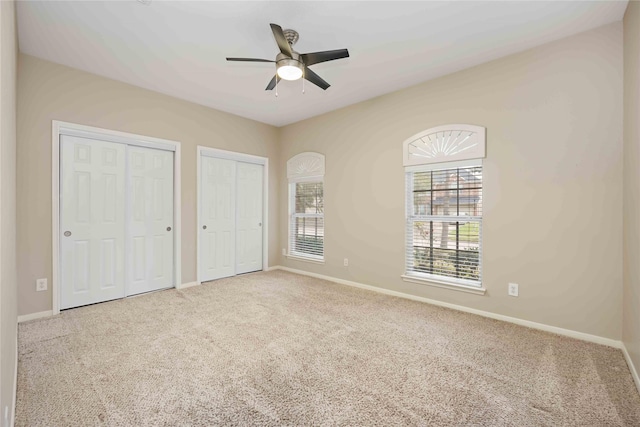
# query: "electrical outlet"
41, 285
513, 289
346, 262
284, 251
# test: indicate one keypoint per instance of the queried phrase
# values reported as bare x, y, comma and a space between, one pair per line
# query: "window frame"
304, 167
473, 286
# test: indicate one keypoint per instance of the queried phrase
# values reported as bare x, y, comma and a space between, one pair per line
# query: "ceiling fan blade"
249, 60
272, 83
327, 55
283, 44
315, 79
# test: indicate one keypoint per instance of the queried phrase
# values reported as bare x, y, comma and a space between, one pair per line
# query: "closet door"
150, 241
217, 218
92, 221
249, 218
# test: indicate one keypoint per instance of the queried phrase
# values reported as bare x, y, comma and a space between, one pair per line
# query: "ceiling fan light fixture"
289, 69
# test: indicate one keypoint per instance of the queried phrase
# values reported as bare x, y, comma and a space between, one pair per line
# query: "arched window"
443, 168
305, 173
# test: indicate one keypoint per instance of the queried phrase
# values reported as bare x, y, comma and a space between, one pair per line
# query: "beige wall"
631, 294
8, 299
47, 91
553, 174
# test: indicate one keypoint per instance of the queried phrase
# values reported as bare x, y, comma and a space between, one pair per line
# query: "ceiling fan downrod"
292, 36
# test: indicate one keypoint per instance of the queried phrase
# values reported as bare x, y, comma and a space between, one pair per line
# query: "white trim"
90, 132
447, 218
529, 324
177, 215
65, 128
198, 203
238, 157
317, 260
188, 285
55, 214
290, 208
444, 165
464, 285
310, 178
231, 155
452, 285
304, 167
632, 368
34, 316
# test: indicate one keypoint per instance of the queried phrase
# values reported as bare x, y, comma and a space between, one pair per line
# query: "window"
307, 220
444, 223
443, 168
306, 207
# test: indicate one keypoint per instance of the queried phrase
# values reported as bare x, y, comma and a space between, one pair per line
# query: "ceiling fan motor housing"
295, 56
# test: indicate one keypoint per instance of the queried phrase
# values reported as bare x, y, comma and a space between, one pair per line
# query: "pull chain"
303, 79
276, 85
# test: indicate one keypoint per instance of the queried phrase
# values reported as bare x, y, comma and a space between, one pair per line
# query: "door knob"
67, 233
168, 228
259, 224
204, 227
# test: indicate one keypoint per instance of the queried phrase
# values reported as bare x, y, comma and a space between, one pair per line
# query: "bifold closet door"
92, 221
217, 218
150, 241
249, 217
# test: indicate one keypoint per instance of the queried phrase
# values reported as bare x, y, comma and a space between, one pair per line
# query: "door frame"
239, 157
59, 128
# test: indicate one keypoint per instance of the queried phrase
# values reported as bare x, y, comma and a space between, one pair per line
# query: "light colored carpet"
281, 349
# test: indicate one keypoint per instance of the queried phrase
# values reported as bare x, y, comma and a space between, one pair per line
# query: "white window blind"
306, 228
444, 224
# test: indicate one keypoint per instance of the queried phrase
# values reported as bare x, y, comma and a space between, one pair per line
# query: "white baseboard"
187, 285
540, 326
48, 313
33, 316
632, 368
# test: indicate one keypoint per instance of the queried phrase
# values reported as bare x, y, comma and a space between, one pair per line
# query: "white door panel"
92, 221
249, 217
217, 218
151, 220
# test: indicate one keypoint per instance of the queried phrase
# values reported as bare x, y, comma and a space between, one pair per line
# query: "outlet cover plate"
513, 289
41, 285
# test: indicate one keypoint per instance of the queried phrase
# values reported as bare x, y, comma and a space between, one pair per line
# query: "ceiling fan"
291, 65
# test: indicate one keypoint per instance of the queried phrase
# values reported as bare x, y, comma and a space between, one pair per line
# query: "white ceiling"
179, 48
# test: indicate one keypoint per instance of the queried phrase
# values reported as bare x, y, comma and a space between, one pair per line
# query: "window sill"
305, 259
444, 284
